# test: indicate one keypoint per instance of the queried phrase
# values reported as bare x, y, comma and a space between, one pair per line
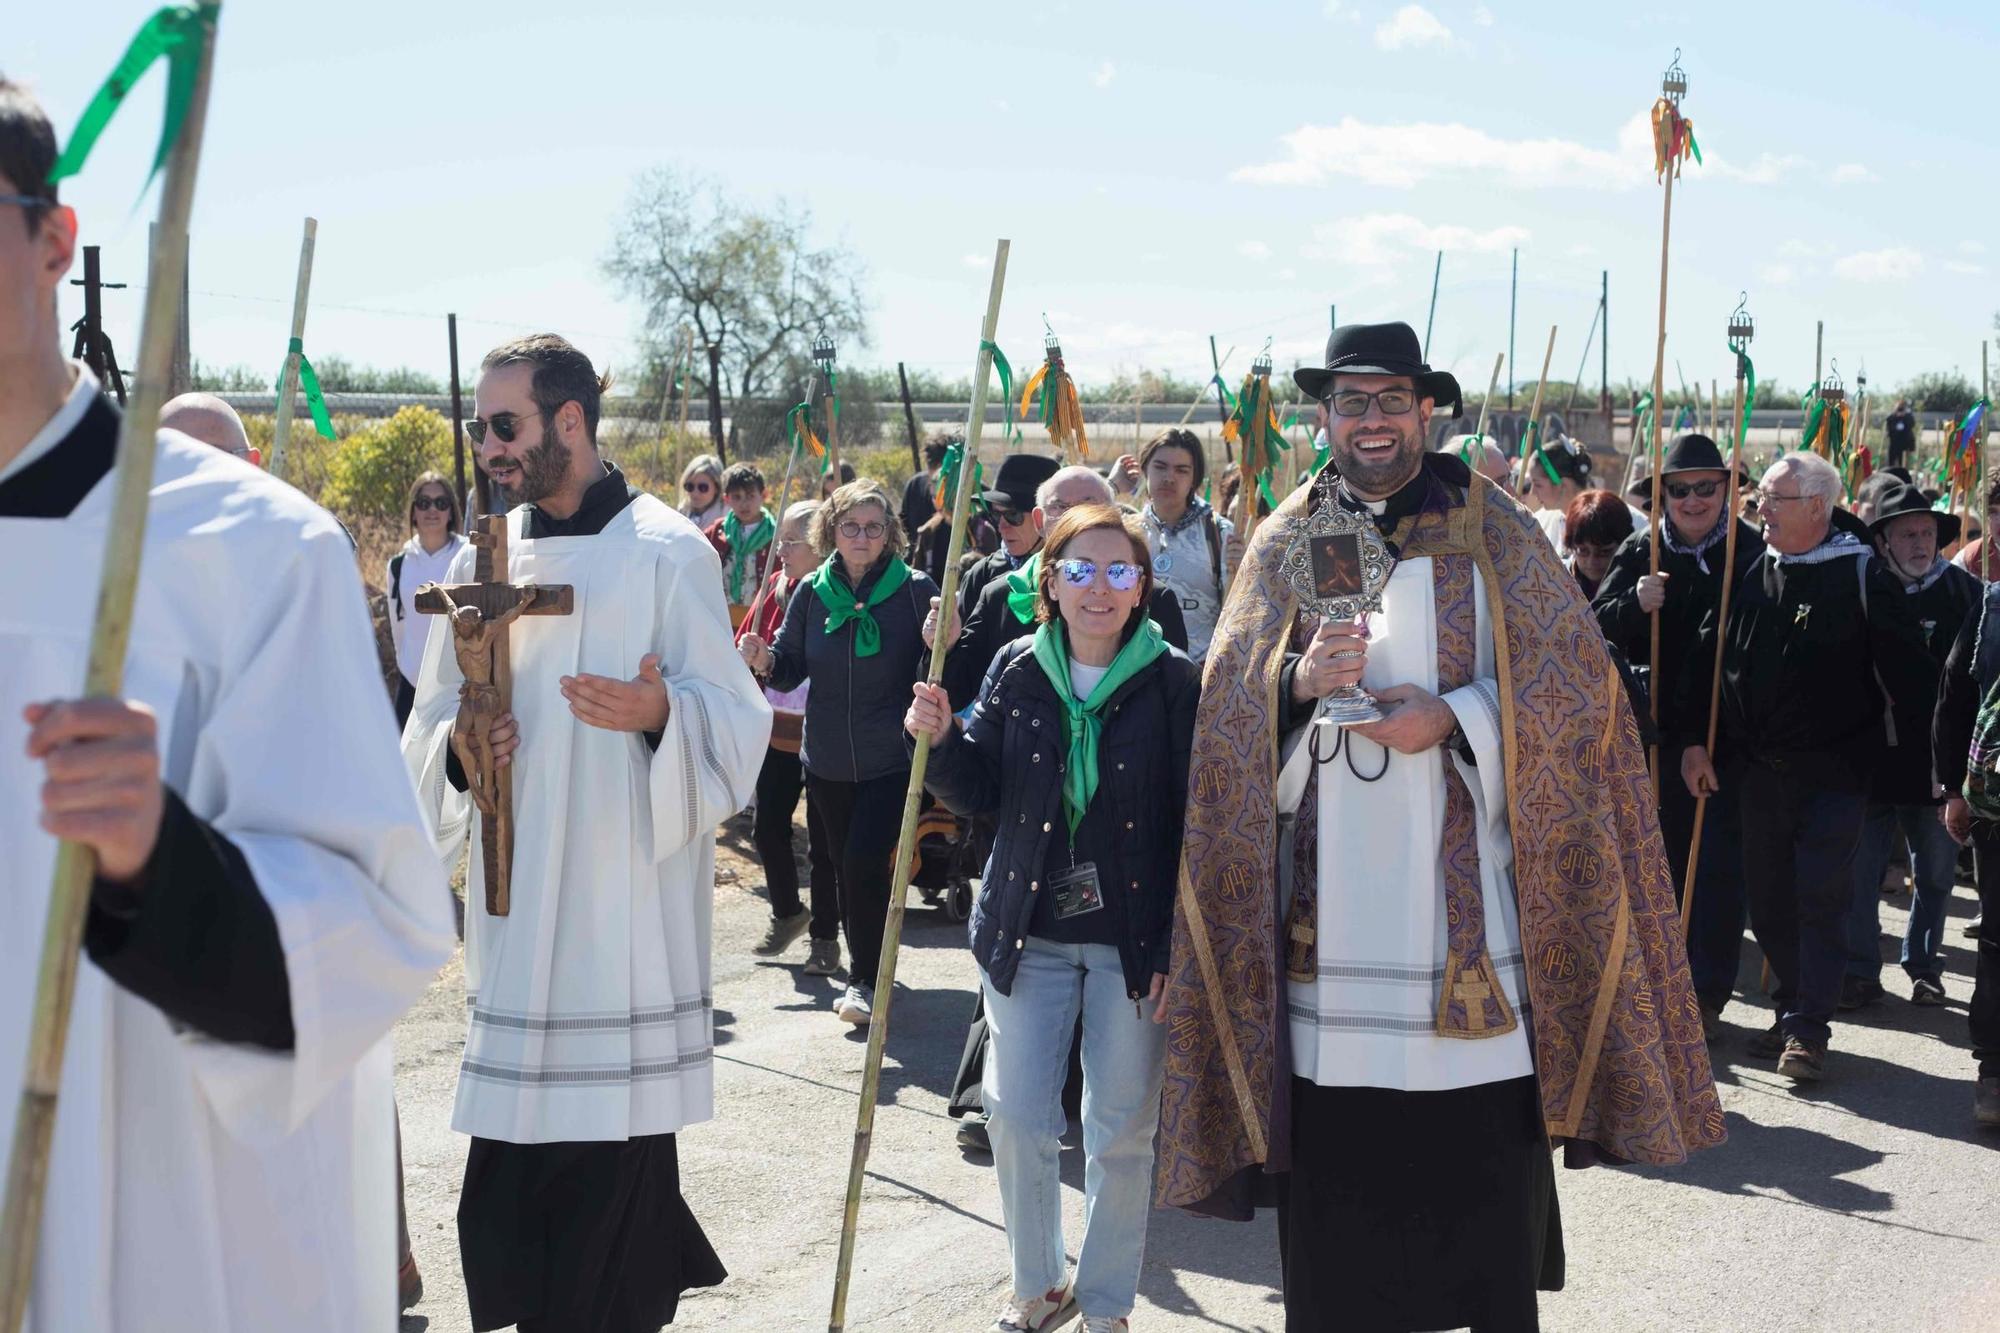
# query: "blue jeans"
1936, 864
1123, 1054
1798, 864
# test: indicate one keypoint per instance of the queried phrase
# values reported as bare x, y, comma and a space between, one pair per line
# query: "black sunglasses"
1681, 490
1013, 518
506, 426
442, 502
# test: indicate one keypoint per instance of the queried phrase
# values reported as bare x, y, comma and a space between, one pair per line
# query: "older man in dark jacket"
1820, 641
1694, 481
1908, 534
1971, 671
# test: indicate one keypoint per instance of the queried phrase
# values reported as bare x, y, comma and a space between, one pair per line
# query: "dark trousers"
1715, 928
1799, 841
1984, 1020
862, 820
779, 783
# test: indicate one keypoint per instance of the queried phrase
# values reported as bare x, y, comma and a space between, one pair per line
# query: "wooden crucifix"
479, 614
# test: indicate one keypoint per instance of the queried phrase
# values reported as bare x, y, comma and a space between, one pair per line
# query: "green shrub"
371, 470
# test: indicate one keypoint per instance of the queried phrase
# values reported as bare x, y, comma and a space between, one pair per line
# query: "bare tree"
745, 281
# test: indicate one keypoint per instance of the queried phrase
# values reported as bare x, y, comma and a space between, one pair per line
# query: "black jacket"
1804, 667
992, 626
1904, 777
973, 582
1692, 597
854, 714
1971, 668
1007, 762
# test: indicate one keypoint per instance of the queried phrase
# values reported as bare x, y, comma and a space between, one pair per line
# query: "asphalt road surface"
1868, 1202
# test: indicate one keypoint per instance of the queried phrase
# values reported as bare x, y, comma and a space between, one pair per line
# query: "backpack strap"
1888, 704
396, 584
1214, 553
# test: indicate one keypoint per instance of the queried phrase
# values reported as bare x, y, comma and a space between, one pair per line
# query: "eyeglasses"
1013, 518
439, 502
506, 426
1681, 490
793, 541
1122, 575
32, 202
854, 532
1354, 403
1768, 497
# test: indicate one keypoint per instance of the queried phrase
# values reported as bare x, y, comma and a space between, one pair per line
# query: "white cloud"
1379, 240
1777, 275
1002, 104
1254, 250
973, 261
1960, 266
1971, 248
1797, 249
1853, 173
1482, 16
1889, 265
1106, 72
1287, 274
1411, 26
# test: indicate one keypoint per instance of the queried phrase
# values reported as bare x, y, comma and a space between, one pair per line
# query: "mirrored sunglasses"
1122, 575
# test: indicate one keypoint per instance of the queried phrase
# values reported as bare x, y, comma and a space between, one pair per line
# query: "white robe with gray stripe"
590, 1003
1368, 1020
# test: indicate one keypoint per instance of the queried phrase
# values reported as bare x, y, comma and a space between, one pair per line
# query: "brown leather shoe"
1803, 1061
409, 1284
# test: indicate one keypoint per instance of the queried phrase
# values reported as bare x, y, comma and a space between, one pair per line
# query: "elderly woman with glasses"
1079, 745
1694, 486
701, 491
854, 630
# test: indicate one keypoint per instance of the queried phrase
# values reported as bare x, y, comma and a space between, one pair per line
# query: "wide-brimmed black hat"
1380, 349
1695, 452
1900, 498
1020, 475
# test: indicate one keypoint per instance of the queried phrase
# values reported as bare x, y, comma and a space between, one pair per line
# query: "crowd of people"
1378, 971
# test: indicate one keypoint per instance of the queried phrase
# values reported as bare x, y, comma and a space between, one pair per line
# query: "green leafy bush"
371, 470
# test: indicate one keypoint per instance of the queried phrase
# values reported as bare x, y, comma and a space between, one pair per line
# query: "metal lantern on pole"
1832, 389
1674, 83
823, 359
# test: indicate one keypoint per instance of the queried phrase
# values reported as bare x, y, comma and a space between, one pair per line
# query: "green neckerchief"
1022, 589
1083, 722
743, 545
841, 605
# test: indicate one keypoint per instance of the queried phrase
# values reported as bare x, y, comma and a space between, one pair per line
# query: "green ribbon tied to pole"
1749, 394
1009, 431
947, 482
176, 34
309, 381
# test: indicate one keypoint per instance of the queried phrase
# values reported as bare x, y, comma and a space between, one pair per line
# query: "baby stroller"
950, 855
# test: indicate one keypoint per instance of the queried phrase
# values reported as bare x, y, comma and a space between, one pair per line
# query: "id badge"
1077, 891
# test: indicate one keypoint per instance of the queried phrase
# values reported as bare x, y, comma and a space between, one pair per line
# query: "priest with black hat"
1694, 483
1908, 535
1412, 955
1011, 501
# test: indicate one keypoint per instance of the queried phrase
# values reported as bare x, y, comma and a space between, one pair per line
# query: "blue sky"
1165, 171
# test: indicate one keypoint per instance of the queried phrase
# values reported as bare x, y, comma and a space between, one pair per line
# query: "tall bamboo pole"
1659, 509
1535, 409
892, 929
1736, 406
111, 632
288, 382
1492, 382
778, 532
1715, 410
1430, 319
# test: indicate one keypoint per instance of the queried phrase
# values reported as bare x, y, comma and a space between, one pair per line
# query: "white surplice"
590, 1003
1369, 1018
196, 1185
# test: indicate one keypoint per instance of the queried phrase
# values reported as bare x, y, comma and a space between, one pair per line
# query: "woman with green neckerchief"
853, 631
1079, 744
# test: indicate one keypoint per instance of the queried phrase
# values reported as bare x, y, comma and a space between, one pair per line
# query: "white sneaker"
857, 1005
1094, 1324
1037, 1314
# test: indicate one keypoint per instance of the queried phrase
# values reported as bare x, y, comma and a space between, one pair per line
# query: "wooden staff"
778, 531
892, 928
1715, 409
1721, 638
1492, 382
111, 632
288, 381
1535, 409
1659, 509
833, 431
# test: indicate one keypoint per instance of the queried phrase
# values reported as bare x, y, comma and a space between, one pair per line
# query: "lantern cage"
1262, 365
1674, 83
822, 352
1742, 328
1832, 389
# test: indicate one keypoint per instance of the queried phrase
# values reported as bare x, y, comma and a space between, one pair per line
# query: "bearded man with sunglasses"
1694, 482
634, 732
1412, 955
